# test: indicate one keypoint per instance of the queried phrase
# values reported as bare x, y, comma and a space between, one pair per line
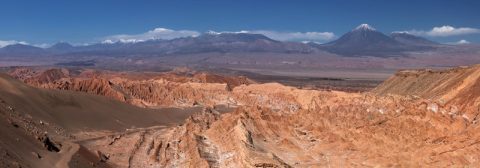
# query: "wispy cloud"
157, 33
445, 31
167, 34
4, 43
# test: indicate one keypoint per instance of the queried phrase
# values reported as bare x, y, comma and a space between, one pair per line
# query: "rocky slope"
279, 126
419, 118
171, 89
39, 127
325, 129
455, 90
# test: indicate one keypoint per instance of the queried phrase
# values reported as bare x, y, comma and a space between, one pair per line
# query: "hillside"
168, 89
29, 116
455, 87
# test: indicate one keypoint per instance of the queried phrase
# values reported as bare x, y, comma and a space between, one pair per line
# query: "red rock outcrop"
153, 90
415, 119
279, 126
455, 91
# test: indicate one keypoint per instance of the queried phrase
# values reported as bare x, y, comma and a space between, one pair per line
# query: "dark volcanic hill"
61, 47
409, 39
21, 49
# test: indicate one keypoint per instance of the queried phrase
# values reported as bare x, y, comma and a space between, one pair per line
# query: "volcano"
365, 40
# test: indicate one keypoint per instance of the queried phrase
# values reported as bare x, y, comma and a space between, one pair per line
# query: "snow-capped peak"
364, 27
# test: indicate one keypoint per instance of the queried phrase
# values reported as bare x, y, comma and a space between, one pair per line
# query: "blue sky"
87, 21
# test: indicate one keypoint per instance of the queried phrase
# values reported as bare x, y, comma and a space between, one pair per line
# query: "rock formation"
170, 89
421, 118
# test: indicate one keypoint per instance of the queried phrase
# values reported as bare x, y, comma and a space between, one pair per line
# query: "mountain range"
361, 41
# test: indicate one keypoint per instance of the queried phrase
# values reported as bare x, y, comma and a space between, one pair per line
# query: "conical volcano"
365, 40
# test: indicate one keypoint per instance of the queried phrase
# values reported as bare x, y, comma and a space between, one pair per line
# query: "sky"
45, 22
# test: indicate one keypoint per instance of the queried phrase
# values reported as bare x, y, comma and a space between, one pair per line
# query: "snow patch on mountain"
364, 27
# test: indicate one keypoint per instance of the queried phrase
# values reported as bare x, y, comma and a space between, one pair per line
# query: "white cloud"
451, 31
296, 36
11, 42
445, 31
157, 33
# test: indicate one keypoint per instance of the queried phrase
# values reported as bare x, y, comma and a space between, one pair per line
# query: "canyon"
416, 118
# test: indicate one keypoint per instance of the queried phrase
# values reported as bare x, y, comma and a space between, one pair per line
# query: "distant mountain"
208, 42
409, 39
235, 42
22, 49
367, 41
61, 47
